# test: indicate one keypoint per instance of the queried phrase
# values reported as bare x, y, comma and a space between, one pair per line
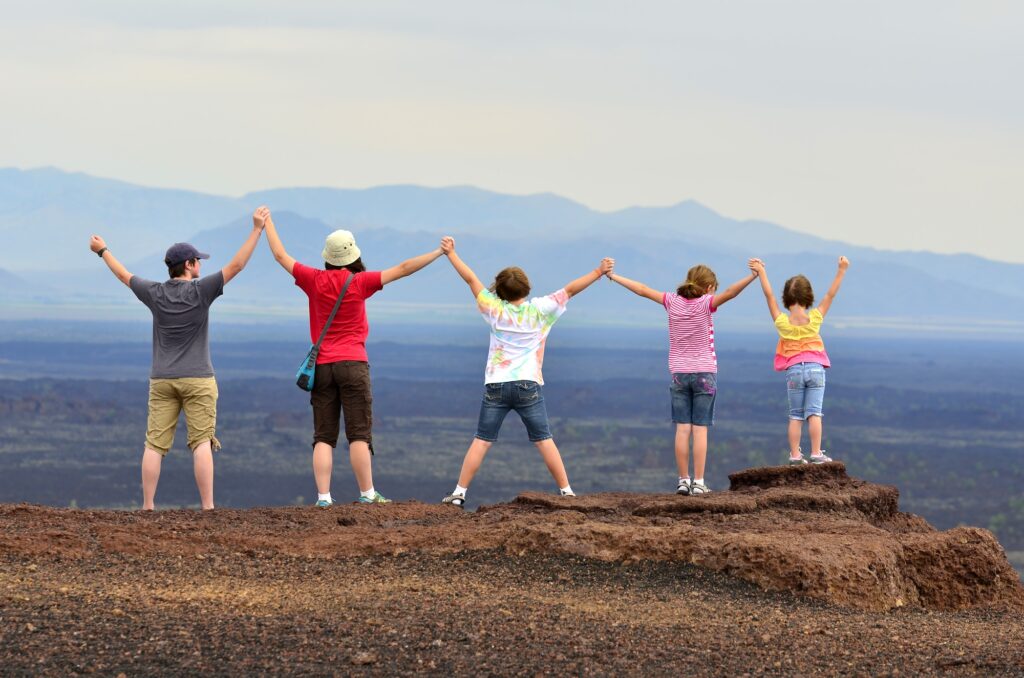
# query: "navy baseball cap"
182, 251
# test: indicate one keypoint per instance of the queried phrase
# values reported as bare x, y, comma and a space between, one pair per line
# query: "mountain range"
47, 215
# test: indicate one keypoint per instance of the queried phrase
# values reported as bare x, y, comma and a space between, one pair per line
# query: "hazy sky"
892, 124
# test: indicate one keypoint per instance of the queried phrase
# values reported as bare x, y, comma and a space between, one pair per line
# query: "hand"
844, 263
259, 217
96, 243
756, 266
607, 266
447, 245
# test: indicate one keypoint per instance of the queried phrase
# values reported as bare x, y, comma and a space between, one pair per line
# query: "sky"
898, 125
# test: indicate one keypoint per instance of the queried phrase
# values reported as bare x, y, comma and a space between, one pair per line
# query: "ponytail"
698, 280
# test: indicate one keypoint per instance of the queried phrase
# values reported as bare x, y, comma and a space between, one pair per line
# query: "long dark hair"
356, 266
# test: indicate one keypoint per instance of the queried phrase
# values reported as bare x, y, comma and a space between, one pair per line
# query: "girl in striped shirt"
692, 363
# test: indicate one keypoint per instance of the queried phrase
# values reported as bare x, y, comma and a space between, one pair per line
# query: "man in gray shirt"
182, 377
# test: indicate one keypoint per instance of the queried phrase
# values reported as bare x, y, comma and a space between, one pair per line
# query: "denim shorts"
805, 385
693, 398
525, 397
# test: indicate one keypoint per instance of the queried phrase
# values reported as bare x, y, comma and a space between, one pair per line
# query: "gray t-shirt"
181, 312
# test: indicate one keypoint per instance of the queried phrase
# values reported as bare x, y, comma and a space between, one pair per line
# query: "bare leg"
814, 430
683, 449
700, 450
150, 477
202, 464
323, 462
362, 463
474, 457
795, 429
549, 451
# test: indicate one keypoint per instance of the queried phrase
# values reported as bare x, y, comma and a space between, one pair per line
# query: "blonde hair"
699, 279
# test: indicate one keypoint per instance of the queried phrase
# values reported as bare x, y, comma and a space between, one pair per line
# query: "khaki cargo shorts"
168, 397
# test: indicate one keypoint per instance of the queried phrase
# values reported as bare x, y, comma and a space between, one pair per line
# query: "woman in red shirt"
342, 378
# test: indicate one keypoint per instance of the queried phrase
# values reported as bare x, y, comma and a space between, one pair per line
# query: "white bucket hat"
340, 248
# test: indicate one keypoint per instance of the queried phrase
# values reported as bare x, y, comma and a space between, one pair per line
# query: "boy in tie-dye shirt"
513, 378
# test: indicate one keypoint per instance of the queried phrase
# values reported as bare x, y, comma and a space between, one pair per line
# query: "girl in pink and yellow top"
801, 354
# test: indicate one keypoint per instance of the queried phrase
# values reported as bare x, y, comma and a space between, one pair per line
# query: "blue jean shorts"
525, 397
693, 398
805, 386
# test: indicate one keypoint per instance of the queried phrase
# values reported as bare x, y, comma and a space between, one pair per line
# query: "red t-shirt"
346, 339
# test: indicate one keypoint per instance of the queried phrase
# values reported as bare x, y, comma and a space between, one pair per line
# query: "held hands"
844, 263
756, 266
607, 267
259, 217
447, 245
96, 243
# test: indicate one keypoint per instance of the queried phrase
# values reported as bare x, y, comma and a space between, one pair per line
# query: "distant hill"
48, 215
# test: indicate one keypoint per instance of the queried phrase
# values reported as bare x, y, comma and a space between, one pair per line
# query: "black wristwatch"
100, 253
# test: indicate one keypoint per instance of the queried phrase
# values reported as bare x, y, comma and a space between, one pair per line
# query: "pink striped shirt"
691, 333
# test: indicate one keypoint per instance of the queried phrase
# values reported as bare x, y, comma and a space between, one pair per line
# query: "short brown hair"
178, 270
797, 290
698, 280
511, 284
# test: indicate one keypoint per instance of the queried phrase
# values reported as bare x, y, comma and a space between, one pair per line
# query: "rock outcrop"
811, 530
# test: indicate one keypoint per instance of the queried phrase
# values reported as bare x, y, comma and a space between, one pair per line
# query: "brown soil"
605, 584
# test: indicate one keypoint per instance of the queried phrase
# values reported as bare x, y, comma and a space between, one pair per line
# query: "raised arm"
757, 268
826, 303
638, 288
584, 281
241, 258
464, 271
276, 246
409, 266
733, 290
96, 244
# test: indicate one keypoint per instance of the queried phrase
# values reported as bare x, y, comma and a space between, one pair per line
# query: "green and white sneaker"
457, 500
323, 503
377, 498
699, 489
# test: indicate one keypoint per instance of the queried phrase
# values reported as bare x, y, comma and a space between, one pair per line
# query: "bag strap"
330, 318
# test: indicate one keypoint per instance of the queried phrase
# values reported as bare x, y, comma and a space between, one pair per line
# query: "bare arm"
826, 303
584, 281
281, 256
733, 290
757, 267
96, 244
241, 257
464, 271
638, 288
409, 266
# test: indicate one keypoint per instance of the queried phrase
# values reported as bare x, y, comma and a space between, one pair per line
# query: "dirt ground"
491, 614
792, 573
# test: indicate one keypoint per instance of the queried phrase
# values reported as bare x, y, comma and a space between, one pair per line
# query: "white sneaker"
566, 493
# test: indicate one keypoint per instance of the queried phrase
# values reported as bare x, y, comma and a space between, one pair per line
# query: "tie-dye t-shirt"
518, 334
800, 343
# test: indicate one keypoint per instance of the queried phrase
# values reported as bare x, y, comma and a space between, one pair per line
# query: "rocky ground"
792, 572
